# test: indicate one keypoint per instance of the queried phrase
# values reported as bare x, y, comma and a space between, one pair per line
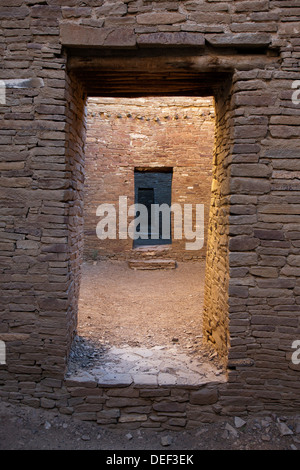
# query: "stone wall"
75, 139
255, 317
217, 276
124, 134
130, 406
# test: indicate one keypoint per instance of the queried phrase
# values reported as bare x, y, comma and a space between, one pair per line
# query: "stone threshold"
125, 365
119, 380
152, 264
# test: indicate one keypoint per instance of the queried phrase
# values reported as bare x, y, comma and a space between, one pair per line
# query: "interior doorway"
152, 189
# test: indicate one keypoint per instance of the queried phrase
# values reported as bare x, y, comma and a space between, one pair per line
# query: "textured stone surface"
177, 39
254, 40
85, 36
42, 139
143, 367
204, 397
152, 264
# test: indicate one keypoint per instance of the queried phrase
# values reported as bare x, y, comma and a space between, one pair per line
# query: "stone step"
152, 264
150, 251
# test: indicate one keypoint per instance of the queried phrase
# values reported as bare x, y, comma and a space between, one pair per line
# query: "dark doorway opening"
153, 191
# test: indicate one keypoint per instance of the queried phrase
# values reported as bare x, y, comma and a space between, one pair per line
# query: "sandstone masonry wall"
254, 272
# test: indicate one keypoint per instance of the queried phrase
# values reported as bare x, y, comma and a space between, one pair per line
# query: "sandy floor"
146, 322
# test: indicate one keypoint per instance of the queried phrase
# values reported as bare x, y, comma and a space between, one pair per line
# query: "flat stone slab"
86, 36
167, 379
129, 357
151, 249
113, 379
145, 379
160, 365
132, 418
176, 39
240, 40
152, 264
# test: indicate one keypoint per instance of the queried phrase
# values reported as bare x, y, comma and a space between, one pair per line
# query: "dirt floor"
119, 305
154, 309
143, 326
119, 308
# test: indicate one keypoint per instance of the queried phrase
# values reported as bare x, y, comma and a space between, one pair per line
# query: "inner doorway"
153, 188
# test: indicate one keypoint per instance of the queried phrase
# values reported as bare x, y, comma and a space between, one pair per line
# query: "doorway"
213, 308
153, 188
